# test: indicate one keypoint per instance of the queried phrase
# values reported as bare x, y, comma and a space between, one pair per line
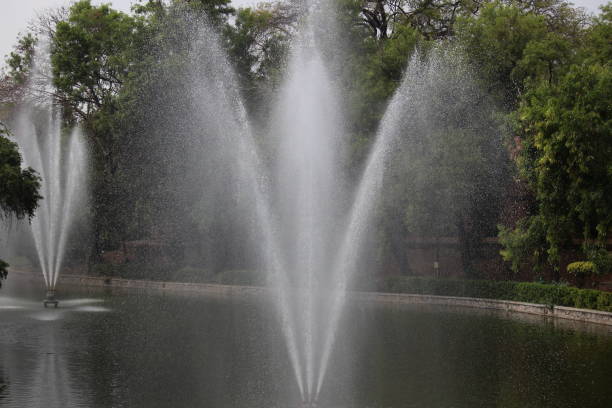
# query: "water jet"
59, 157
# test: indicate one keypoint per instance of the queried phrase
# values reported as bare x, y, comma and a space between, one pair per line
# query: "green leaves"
512, 46
18, 187
91, 54
567, 146
20, 60
563, 128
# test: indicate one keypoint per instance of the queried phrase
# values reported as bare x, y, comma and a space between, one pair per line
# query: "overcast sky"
16, 14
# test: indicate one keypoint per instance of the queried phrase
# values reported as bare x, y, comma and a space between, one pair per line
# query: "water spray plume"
59, 158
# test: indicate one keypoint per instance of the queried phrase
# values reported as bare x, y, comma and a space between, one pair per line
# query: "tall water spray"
437, 96
309, 126
221, 118
295, 209
59, 157
366, 197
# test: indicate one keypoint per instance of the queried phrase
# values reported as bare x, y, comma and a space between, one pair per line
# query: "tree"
597, 44
564, 142
565, 156
433, 19
19, 63
217, 11
449, 172
90, 55
511, 44
257, 43
18, 187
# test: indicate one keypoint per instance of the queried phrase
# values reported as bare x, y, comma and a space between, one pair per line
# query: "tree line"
540, 180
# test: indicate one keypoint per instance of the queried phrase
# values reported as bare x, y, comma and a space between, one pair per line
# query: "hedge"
185, 274
548, 294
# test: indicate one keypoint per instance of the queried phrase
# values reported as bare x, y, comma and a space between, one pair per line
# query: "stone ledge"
562, 312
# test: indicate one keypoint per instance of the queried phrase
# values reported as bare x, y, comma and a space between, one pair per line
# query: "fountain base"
309, 404
50, 299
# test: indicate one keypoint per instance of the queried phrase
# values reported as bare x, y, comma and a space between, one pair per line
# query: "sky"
16, 14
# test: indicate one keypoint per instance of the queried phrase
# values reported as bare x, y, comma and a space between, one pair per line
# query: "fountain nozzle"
309, 404
50, 298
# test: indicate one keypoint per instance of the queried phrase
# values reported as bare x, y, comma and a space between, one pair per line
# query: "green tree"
565, 155
257, 44
511, 44
217, 11
20, 60
91, 54
19, 63
18, 187
597, 44
562, 129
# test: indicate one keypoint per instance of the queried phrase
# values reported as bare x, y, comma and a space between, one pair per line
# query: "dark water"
152, 349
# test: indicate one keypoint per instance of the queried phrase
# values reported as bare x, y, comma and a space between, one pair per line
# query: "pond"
104, 348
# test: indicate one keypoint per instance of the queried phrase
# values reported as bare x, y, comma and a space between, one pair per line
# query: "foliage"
434, 19
91, 55
582, 268
548, 294
188, 274
524, 245
217, 10
511, 45
596, 47
565, 155
257, 44
562, 146
20, 60
18, 187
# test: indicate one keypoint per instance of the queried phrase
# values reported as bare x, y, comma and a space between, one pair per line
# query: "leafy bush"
582, 268
548, 294
600, 258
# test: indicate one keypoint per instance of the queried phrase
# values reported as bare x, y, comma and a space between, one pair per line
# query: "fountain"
321, 247
309, 235
309, 240
309, 229
59, 159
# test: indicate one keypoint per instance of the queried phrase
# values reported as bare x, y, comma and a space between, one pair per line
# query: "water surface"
163, 349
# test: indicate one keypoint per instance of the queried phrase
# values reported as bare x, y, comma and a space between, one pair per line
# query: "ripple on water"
47, 316
79, 302
93, 309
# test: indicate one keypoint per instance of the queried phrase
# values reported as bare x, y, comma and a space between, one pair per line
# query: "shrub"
587, 268
531, 292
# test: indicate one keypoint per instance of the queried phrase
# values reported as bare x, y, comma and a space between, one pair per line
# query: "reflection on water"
137, 349
34, 364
